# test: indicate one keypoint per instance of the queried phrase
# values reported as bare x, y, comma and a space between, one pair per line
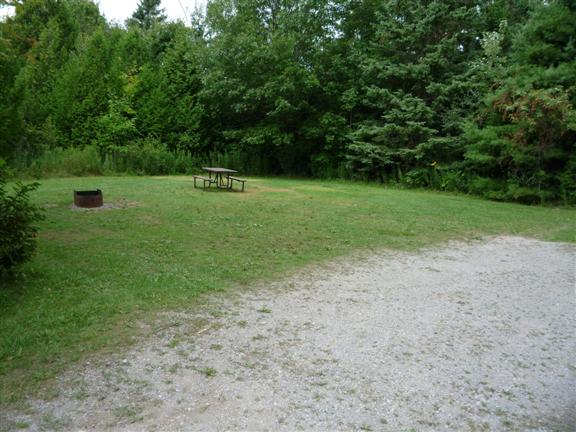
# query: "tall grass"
145, 157
149, 159
59, 162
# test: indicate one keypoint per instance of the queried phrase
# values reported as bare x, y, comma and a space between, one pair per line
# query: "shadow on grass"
13, 286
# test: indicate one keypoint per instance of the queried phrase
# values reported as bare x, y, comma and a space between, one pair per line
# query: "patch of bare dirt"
258, 188
316, 188
122, 204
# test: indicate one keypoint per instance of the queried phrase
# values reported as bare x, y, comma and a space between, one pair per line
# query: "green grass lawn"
97, 272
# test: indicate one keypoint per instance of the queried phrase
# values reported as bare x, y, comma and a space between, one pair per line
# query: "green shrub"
426, 177
525, 195
488, 187
17, 223
453, 179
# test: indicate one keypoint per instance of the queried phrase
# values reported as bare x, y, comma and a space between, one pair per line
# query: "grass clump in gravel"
208, 371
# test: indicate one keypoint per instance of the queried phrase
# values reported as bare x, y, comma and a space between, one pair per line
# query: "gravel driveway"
473, 336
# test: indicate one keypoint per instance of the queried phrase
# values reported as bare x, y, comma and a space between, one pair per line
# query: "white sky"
119, 10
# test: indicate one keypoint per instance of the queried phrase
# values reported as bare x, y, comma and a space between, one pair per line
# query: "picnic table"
219, 173
222, 178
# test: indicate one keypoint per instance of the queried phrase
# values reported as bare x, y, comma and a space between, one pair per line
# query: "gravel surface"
473, 336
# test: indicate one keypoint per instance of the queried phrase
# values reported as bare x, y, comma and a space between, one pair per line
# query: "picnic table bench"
204, 180
236, 179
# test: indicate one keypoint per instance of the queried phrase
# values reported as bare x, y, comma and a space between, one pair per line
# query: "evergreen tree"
409, 95
147, 14
168, 89
522, 146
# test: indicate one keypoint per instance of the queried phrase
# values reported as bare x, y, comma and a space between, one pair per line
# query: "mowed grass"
97, 274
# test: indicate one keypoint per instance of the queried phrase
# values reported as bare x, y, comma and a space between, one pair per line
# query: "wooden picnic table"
219, 173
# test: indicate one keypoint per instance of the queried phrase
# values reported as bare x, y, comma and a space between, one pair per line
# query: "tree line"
459, 95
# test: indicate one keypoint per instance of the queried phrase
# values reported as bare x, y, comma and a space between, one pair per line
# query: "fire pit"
88, 198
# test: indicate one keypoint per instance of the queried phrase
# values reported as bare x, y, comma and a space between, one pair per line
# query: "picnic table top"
218, 170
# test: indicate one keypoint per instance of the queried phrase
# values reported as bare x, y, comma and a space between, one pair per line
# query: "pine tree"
410, 86
522, 145
147, 14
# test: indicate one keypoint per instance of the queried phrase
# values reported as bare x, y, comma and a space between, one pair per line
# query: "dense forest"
459, 95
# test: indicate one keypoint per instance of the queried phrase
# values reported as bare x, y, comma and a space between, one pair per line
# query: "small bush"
488, 187
524, 195
17, 223
426, 177
453, 180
